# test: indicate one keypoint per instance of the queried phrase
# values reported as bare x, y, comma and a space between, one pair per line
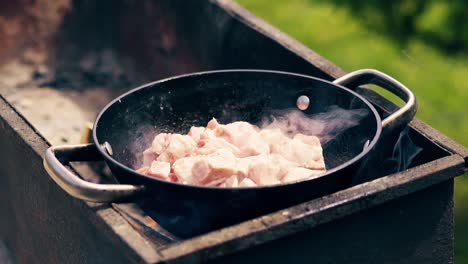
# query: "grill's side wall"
414, 229
39, 223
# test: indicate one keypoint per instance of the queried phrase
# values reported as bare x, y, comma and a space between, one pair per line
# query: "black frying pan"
126, 126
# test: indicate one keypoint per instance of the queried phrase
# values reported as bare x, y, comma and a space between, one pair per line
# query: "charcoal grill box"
61, 61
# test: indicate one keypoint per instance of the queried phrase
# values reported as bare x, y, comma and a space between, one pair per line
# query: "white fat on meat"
246, 137
303, 150
209, 170
159, 169
160, 143
148, 157
143, 170
182, 169
243, 165
210, 144
196, 132
298, 173
178, 146
231, 182
246, 182
274, 138
215, 167
263, 170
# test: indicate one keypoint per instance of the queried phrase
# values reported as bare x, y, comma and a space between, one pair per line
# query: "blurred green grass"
439, 82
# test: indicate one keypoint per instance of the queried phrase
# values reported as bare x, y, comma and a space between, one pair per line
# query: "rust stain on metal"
150, 221
30, 26
39, 33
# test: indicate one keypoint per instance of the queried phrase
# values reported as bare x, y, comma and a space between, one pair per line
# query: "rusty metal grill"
59, 65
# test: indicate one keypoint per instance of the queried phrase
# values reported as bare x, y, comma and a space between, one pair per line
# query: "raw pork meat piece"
265, 171
210, 169
246, 137
159, 169
209, 144
274, 138
231, 182
301, 151
196, 132
299, 173
246, 182
215, 167
242, 135
182, 169
234, 155
148, 157
160, 143
178, 146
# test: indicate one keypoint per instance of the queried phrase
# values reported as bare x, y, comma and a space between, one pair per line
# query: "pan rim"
129, 170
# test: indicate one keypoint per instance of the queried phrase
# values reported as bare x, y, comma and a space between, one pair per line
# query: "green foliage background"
422, 43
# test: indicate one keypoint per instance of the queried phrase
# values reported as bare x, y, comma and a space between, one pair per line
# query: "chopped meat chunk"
160, 143
143, 170
160, 169
282, 162
231, 182
306, 155
310, 140
178, 146
196, 132
148, 156
233, 155
206, 169
243, 165
208, 145
299, 173
246, 137
274, 138
212, 168
183, 169
246, 182
215, 127
265, 171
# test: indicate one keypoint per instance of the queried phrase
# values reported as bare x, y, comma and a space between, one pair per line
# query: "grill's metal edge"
441, 140
451, 166
315, 212
101, 214
426, 130
242, 15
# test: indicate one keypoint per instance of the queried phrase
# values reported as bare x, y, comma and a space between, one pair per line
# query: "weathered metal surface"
144, 224
425, 131
405, 230
5, 255
40, 223
27, 26
79, 39
319, 211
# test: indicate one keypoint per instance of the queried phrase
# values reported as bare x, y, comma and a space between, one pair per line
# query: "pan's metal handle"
400, 117
54, 160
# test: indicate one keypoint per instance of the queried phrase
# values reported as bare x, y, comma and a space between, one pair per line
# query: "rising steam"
403, 154
326, 125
